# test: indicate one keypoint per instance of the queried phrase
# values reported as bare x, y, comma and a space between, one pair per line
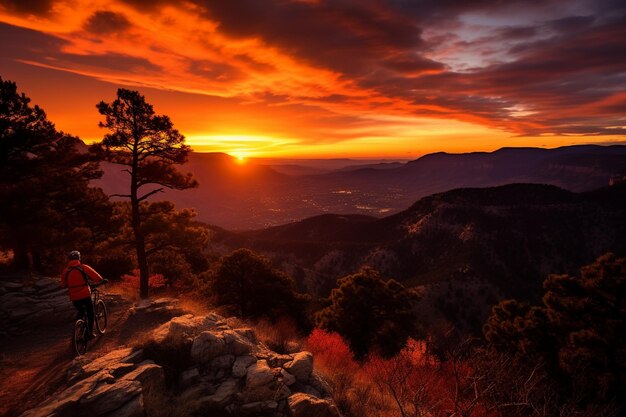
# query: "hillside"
250, 195
467, 247
157, 358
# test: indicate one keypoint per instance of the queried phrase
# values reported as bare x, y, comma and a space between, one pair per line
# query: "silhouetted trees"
46, 204
151, 148
371, 313
579, 332
246, 283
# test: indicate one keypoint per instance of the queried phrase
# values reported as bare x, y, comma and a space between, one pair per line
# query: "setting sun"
240, 156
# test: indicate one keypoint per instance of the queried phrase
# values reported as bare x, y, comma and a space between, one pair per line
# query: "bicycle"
81, 327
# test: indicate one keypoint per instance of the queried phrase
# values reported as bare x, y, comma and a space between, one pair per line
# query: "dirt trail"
33, 366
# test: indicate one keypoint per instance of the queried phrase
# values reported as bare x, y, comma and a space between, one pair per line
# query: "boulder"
259, 374
182, 327
288, 379
240, 367
304, 405
276, 360
301, 366
109, 397
223, 362
110, 385
147, 373
237, 344
206, 346
117, 363
222, 395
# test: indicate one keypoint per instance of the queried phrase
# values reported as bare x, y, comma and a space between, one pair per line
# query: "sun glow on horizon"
240, 156
239, 146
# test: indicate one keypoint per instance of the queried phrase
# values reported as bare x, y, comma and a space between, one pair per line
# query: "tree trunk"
142, 262
140, 244
37, 261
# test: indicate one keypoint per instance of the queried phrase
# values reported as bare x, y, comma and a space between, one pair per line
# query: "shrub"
247, 285
371, 313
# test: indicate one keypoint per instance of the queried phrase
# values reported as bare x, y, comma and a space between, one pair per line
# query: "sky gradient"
331, 78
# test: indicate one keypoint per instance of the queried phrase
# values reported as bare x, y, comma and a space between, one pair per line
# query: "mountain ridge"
465, 248
243, 195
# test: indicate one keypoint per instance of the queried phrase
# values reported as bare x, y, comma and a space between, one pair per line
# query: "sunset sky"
331, 78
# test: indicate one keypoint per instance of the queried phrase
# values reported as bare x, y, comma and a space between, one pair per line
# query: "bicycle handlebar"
97, 284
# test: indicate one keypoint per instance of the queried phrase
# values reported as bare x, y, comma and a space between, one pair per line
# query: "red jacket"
73, 280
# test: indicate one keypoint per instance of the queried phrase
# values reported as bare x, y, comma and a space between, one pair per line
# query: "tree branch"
142, 198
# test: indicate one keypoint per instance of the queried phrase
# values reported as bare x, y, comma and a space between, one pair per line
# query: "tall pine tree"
149, 146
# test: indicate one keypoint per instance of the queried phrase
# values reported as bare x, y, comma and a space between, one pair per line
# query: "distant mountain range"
251, 195
466, 248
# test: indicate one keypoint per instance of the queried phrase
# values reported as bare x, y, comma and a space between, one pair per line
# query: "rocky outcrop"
205, 367
306, 405
112, 385
28, 304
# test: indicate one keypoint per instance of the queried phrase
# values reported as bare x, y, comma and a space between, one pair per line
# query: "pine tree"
579, 333
371, 313
149, 146
46, 204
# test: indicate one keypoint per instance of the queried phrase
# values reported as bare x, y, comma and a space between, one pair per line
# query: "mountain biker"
76, 278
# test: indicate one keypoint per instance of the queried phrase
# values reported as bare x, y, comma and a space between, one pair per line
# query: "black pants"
85, 305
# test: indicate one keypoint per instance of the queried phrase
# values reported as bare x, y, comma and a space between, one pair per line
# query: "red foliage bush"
330, 350
156, 281
411, 383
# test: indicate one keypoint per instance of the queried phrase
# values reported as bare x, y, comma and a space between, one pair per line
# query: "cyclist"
76, 277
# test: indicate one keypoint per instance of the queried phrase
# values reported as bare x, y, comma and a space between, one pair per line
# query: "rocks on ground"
205, 366
26, 305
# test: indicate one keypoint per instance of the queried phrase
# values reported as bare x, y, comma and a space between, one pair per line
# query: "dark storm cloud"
26, 44
345, 36
571, 23
516, 32
148, 5
111, 61
106, 22
28, 7
214, 71
558, 73
581, 76
383, 49
413, 65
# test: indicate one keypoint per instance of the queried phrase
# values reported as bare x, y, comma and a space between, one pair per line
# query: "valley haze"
253, 194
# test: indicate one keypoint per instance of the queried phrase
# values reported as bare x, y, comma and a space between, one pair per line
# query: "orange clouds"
325, 77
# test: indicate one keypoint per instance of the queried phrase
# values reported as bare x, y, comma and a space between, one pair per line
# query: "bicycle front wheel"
79, 339
101, 316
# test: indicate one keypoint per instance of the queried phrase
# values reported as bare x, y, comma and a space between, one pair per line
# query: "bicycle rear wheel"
101, 316
80, 337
